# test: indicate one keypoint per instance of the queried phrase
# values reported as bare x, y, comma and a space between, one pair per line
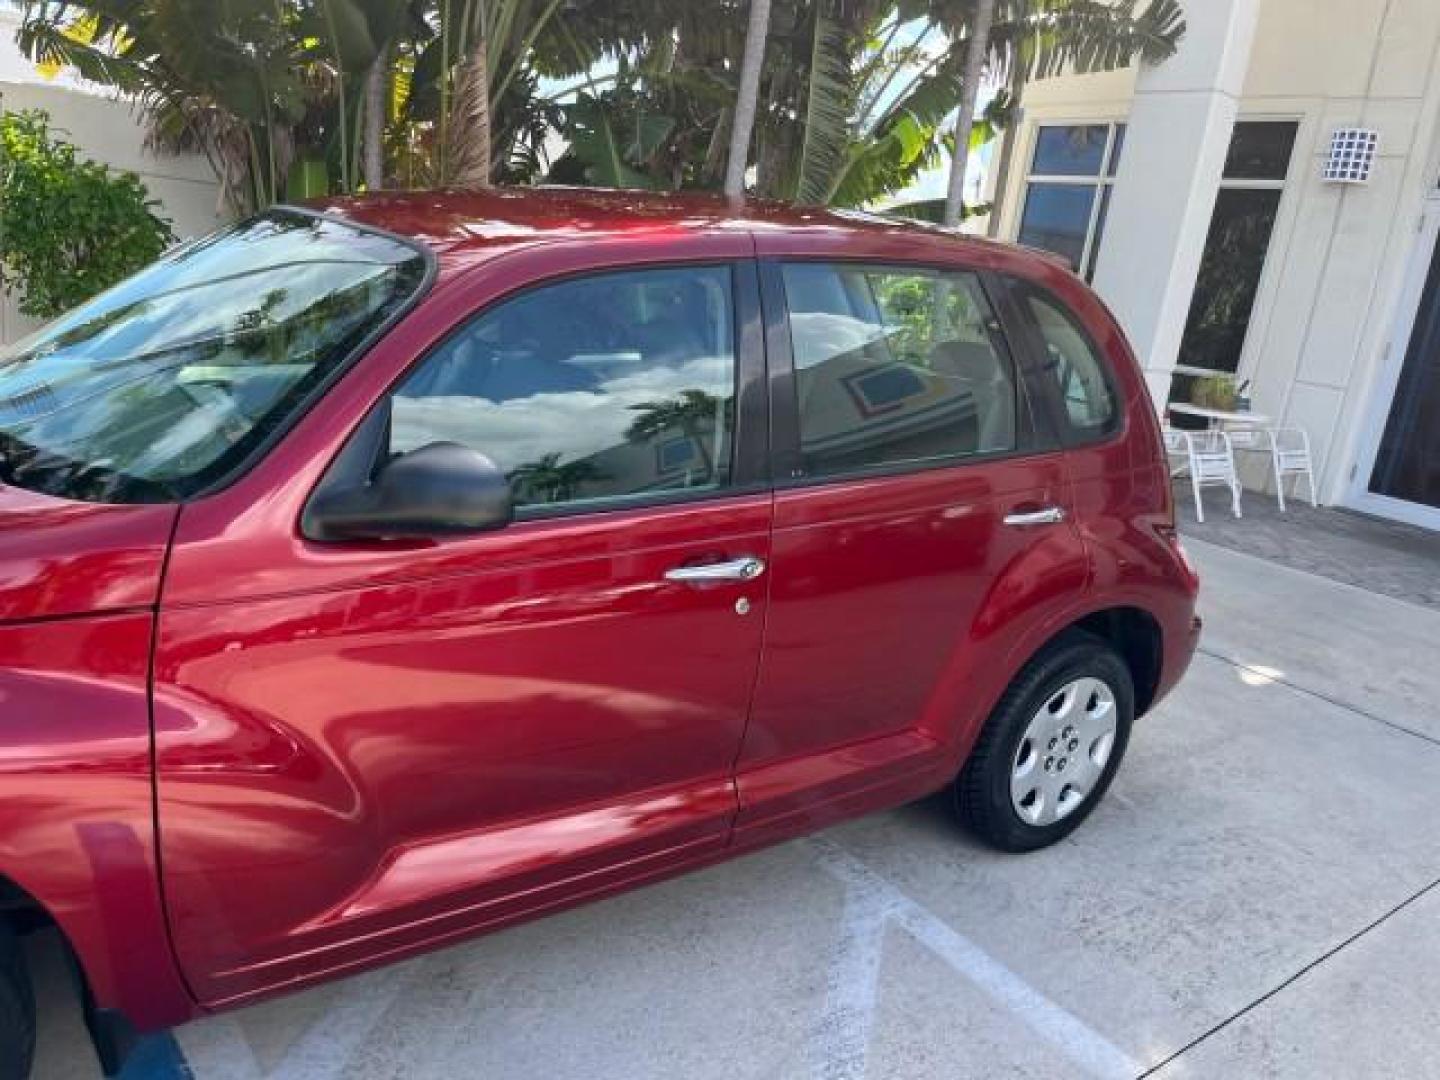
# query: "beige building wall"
111, 132
1326, 311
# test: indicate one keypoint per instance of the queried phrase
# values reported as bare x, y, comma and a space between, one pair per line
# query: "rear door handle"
745, 568
1050, 515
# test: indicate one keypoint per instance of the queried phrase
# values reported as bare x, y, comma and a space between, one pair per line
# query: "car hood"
60, 558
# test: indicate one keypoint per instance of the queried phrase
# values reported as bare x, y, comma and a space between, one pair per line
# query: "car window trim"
1027, 331
749, 451
786, 459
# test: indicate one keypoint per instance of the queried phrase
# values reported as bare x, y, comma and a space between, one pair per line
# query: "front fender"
76, 803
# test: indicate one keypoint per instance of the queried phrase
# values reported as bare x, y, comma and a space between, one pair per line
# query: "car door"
919, 512
407, 740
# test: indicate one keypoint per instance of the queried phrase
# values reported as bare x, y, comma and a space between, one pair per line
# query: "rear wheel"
1051, 747
17, 1009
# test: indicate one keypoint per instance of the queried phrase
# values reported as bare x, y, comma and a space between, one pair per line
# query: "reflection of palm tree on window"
548, 481
689, 412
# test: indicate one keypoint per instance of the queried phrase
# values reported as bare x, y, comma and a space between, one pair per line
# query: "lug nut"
1049, 764
1054, 743
1074, 745
1063, 762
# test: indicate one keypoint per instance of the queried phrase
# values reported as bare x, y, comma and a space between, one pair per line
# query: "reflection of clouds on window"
816, 336
615, 385
575, 424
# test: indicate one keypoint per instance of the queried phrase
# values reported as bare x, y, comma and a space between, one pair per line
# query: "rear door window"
896, 366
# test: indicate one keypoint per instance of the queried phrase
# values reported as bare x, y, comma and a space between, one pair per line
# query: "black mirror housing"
441, 489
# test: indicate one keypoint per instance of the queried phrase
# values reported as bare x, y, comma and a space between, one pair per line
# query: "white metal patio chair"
1290, 456
1209, 461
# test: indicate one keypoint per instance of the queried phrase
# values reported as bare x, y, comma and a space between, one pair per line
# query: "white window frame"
1240, 374
1100, 183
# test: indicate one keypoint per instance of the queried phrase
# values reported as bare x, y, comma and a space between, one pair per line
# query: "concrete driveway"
1257, 897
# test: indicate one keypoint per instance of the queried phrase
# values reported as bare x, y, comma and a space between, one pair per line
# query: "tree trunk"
975, 50
1008, 141
470, 124
747, 97
373, 137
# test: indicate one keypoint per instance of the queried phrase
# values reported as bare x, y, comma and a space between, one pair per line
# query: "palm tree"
469, 149
747, 96
976, 46
550, 481
688, 412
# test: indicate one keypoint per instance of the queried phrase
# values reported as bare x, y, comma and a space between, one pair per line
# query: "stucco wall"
108, 131
1327, 302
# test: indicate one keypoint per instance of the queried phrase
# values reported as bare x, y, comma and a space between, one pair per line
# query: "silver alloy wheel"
1062, 755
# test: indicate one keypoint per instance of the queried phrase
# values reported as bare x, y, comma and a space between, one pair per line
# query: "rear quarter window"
1070, 359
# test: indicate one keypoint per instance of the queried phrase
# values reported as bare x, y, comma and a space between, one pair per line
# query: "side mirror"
442, 488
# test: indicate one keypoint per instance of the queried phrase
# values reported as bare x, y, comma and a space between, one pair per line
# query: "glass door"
1400, 475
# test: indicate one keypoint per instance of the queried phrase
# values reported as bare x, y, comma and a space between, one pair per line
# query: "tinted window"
1067, 198
606, 387
1260, 150
895, 366
1241, 225
1074, 363
1229, 278
1070, 150
1057, 218
154, 389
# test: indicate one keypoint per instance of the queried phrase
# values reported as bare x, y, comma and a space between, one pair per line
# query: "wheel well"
22, 910
1136, 636
110, 1031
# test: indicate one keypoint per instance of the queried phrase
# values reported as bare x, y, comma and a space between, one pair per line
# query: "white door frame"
1358, 494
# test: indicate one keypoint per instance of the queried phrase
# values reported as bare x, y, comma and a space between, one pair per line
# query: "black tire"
17, 1009
982, 790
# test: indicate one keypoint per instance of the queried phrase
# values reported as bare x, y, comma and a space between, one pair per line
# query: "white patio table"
1221, 418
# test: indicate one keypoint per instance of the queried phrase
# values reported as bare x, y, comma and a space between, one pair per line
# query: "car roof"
462, 226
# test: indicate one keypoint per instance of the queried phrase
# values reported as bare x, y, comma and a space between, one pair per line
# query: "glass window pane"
1116, 149
1260, 150
1070, 150
160, 386
612, 386
895, 366
1077, 368
1408, 464
1056, 218
1229, 278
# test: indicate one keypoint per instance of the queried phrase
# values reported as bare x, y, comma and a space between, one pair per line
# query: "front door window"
594, 390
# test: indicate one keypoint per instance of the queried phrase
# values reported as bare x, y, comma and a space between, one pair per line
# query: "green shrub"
69, 227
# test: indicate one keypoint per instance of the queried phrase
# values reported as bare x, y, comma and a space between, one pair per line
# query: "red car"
378, 574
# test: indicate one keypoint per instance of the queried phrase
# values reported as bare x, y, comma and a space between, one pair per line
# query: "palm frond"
828, 98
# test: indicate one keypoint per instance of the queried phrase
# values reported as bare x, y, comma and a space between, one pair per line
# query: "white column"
1180, 125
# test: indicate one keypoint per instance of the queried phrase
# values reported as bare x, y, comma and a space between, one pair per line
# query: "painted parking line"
840, 1039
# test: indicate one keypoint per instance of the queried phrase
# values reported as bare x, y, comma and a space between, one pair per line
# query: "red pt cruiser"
375, 575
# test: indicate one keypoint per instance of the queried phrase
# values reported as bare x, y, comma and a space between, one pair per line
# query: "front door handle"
1050, 515
745, 568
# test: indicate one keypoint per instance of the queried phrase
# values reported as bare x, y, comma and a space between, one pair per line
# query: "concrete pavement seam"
1270, 677
1311, 966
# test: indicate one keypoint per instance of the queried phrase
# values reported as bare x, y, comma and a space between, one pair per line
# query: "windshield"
158, 387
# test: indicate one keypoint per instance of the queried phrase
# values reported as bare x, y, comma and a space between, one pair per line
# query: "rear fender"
1043, 587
